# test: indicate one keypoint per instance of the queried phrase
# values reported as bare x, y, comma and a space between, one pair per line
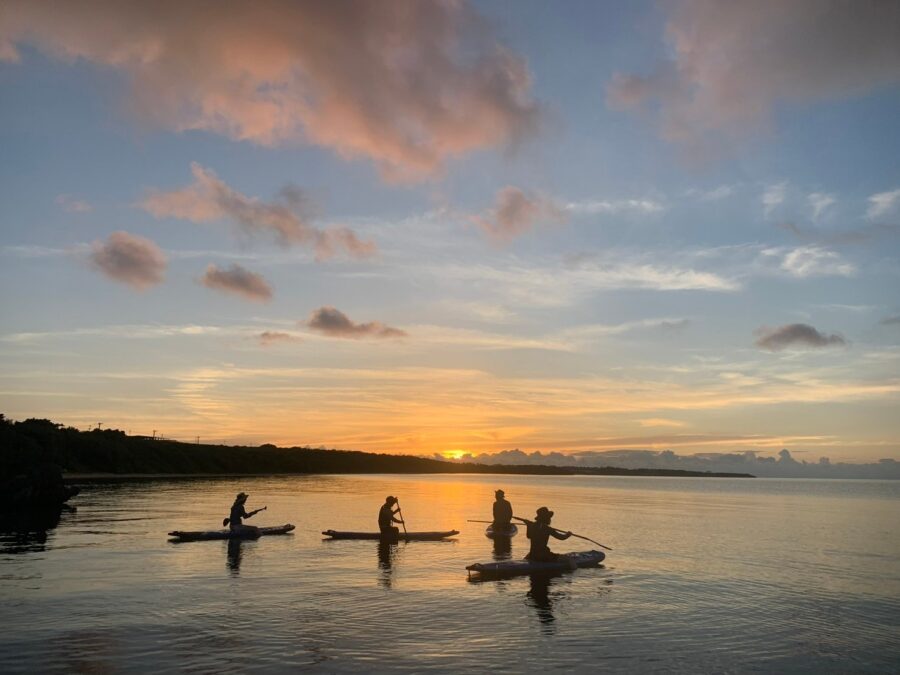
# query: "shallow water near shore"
706, 575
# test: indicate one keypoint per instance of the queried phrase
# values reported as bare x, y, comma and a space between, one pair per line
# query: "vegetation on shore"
109, 451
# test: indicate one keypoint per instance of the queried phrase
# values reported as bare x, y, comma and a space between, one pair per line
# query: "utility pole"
99, 424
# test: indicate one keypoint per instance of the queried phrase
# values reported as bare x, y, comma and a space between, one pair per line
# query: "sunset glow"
453, 228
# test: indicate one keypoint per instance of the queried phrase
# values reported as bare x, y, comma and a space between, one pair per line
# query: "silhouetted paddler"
386, 516
503, 512
539, 532
238, 513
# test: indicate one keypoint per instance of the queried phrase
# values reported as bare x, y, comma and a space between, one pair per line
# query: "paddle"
402, 520
572, 533
252, 513
489, 522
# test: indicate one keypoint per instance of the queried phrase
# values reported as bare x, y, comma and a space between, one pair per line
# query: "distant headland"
111, 453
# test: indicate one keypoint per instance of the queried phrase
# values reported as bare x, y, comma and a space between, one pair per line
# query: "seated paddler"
387, 516
539, 532
238, 513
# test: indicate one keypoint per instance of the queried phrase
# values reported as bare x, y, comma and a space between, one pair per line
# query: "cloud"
795, 334
814, 261
130, 259
614, 206
773, 197
734, 62
515, 212
406, 84
890, 321
271, 337
334, 323
883, 203
73, 205
209, 199
239, 281
820, 203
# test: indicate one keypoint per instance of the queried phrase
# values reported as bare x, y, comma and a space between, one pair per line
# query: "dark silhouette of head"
241, 497
544, 515
390, 500
499, 494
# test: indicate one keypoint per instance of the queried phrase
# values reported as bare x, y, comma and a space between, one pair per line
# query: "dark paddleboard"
567, 561
507, 532
208, 535
409, 536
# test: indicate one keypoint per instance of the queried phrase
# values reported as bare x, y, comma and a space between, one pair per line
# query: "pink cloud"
209, 199
334, 323
73, 204
406, 84
238, 281
129, 259
516, 212
735, 61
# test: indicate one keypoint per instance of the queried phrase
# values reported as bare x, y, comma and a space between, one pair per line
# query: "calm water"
707, 575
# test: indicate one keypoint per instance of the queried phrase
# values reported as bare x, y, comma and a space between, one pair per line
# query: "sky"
456, 228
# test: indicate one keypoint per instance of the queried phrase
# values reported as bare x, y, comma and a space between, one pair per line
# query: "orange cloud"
735, 61
129, 259
515, 212
239, 281
209, 198
406, 84
335, 323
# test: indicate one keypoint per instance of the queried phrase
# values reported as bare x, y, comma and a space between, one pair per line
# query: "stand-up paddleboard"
409, 536
492, 533
567, 561
179, 535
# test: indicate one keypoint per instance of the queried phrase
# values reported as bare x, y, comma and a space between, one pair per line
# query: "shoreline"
101, 477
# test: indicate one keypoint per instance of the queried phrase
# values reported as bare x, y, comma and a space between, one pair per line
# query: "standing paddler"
387, 516
539, 532
503, 513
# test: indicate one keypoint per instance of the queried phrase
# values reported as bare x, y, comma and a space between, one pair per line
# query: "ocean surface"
706, 575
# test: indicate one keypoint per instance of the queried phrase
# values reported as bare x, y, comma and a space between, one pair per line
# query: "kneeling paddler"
539, 532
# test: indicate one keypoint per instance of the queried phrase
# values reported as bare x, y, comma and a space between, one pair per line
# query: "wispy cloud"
73, 204
209, 199
734, 62
334, 323
615, 206
405, 84
271, 337
883, 204
890, 321
239, 281
814, 261
796, 335
515, 212
129, 259
820, 203
773, 197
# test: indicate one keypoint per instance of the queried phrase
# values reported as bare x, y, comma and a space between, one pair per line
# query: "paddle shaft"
402, 519
555, 529
480, 521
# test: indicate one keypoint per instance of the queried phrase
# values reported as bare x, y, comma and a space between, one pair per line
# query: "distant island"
114, 453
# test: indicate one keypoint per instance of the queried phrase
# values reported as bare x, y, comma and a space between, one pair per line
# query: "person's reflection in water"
502, 548
235, 553
539, 597
386, 552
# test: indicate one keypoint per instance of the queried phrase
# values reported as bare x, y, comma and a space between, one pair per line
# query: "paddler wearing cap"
386, 516
503, 512
539, 532
238, 513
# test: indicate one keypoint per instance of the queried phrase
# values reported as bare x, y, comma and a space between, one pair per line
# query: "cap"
500, 492
545, 511
390, 500
242, 495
